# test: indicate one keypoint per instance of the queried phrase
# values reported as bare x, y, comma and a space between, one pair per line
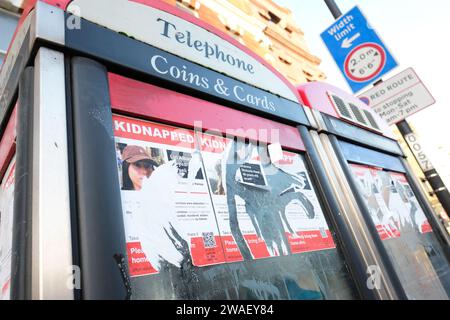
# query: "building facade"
265, 28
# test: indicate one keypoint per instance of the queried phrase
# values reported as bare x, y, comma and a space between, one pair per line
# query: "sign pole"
430, 173
434, 179
334, 9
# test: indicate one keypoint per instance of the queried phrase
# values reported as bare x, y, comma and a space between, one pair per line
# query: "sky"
415, 33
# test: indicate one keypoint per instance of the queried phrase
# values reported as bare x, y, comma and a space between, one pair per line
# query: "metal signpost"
433, 177
357, 49
395, 110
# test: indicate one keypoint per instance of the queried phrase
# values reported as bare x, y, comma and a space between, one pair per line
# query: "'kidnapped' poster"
206, 200
167, 209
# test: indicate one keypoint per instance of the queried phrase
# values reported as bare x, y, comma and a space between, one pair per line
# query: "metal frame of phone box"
341, 142
63, 216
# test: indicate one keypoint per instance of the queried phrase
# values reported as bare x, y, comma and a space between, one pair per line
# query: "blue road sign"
357, 50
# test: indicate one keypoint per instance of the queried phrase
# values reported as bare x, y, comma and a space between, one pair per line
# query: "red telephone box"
154, 157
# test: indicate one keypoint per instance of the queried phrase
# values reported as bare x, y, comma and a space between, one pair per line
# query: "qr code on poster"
208, 240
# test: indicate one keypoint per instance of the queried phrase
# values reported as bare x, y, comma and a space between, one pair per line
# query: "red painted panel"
8, 143
147, 101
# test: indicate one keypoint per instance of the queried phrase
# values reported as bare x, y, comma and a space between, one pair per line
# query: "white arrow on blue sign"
357, 50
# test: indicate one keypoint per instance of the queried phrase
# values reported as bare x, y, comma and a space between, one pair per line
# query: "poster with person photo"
168, 214
203, 200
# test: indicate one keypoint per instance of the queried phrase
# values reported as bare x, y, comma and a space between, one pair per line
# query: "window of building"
274, 18
186, 8
264, 14
307, 74
235, 35
263, 43
269, 16
284, 60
